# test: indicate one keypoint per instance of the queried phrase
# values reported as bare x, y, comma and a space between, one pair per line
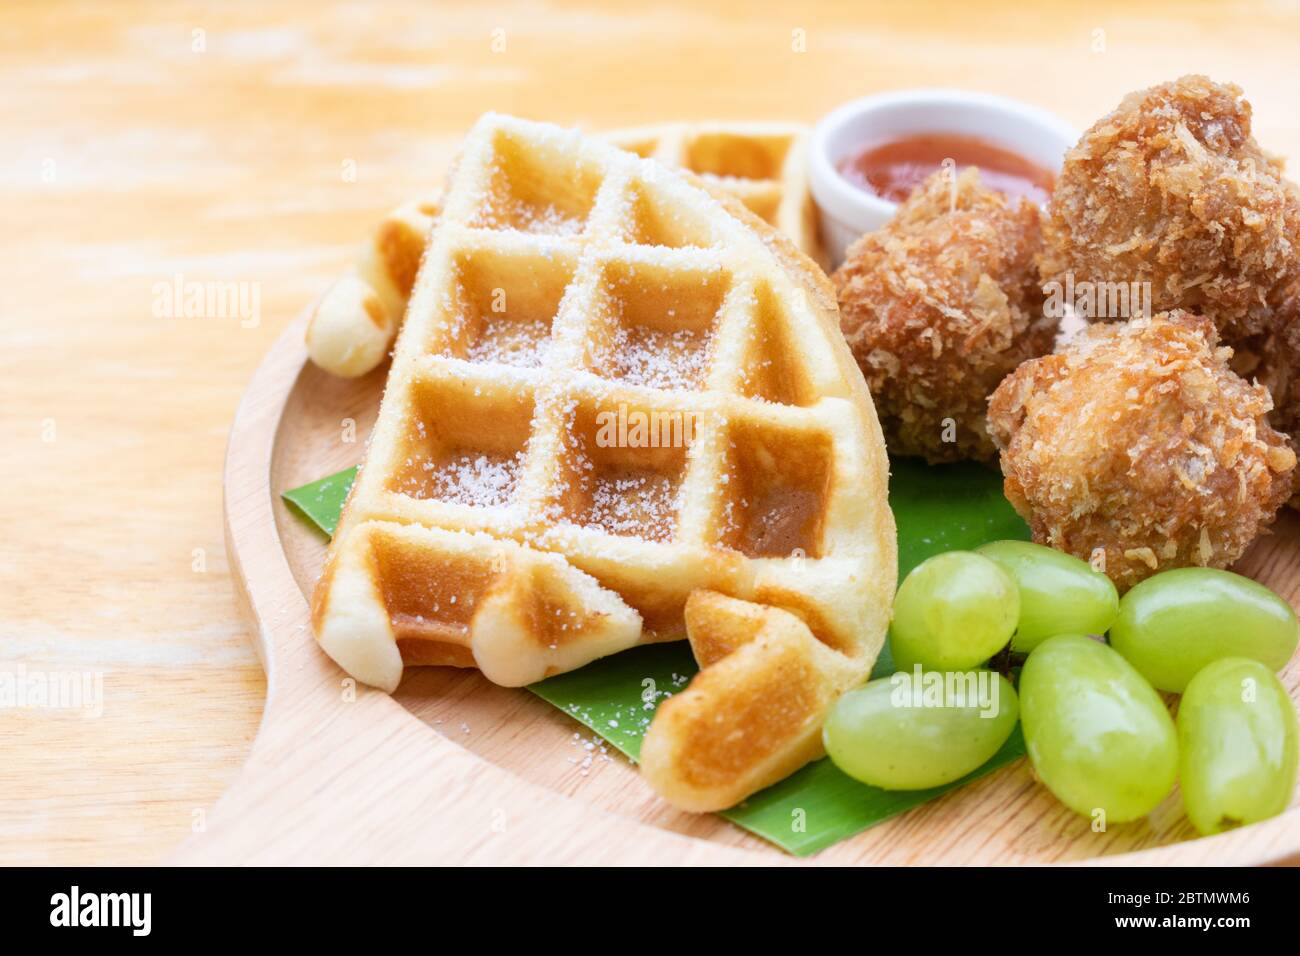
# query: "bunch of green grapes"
1097, 732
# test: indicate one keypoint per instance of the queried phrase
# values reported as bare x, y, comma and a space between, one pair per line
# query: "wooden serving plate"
453, 769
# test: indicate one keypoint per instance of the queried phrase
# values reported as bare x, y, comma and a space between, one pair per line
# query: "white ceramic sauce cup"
847, 211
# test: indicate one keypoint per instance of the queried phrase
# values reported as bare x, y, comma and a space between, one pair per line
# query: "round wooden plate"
453, 769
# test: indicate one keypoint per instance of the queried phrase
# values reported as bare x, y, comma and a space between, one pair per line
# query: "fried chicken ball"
1137, 440
938, 307
1273, 359
1172, 189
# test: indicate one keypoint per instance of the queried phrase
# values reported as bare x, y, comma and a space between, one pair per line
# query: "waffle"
763, 165
614, 390
762, 668
353, 324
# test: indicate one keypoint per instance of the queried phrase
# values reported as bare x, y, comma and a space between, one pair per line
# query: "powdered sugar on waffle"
523, 344
655, 358
467, 478
540, 220
642, 505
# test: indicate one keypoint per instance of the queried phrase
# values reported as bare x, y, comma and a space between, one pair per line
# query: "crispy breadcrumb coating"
1274, 360
1137, 439
1172, 189
938, 307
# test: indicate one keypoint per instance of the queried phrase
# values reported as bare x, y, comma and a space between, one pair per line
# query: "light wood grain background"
256, 143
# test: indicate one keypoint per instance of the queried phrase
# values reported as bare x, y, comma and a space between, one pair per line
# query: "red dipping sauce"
892, 170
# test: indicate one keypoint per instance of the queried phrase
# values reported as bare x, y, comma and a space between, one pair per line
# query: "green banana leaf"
937, 509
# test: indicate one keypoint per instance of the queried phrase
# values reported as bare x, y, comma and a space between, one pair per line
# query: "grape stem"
1006, 660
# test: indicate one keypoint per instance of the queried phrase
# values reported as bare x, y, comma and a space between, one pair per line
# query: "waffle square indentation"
501, 306
736, 155
464, 443
774, 491
526, 193
622, 479
654, 327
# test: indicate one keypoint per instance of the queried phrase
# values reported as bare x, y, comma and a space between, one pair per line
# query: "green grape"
1059, 594
1099, 737
903, 734
953, 612
1237, 745
1173, 624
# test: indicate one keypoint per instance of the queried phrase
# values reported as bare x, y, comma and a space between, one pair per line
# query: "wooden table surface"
148, 144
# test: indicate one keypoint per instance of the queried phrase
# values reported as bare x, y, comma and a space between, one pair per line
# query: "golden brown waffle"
764, 165
614, 389
761, 164
770, 680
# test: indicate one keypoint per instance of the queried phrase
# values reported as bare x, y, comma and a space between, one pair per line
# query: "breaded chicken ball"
1171, 189
938, 307
1274, 360
1137, 447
